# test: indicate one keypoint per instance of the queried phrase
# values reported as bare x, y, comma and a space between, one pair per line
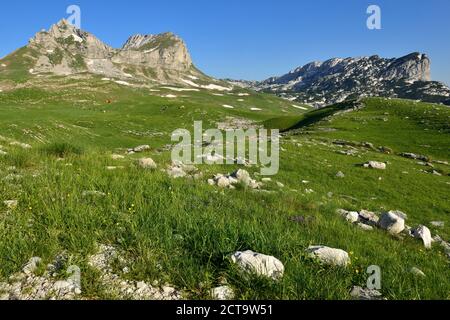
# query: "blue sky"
252, 39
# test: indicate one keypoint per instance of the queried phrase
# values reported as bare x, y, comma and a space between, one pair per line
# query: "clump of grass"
62, 149
19, 159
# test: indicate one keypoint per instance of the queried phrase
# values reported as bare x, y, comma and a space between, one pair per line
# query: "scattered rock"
340, 174
112, 168
417, 272
93, 193
11, 204
375, 165
223, 182
222, 293
127, 289
352, 216
368, 217
147, 163
240, 176
414, 156
32, 265
139, 149
392, 223
176, 171
20, 144
180, 170
27, 286
329, 256
385, 150
365, 294
117, 157
259, 264
400, 214
438, 224
365, 226
422, 232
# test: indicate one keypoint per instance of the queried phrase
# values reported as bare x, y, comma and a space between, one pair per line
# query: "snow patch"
189, 82
179, 89
299, 107
256, 109
216, 87
193, 77
170, 96
227, 106
124, 83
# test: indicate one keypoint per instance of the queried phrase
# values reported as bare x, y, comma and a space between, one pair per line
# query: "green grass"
182, 231
61, 149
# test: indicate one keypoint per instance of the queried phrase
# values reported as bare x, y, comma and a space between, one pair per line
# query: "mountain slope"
336, 80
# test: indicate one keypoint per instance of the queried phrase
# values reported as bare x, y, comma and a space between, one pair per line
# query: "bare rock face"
414, 66
66, 50
156, 50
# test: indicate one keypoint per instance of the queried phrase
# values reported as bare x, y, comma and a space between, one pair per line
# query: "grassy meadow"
182, 231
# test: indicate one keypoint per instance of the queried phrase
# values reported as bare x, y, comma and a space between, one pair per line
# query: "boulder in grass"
422, 232
375, 165
329, 256
392, 223
147, 163
258, 263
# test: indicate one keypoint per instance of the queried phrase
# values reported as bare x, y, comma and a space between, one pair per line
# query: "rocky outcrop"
164, 51
336, 80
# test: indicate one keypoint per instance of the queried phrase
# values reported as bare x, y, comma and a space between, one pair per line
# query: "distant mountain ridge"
335, 80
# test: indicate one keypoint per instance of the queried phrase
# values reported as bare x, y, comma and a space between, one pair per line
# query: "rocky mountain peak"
65, 50
337, 79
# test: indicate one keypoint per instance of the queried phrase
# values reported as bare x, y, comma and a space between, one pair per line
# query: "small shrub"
62, 149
